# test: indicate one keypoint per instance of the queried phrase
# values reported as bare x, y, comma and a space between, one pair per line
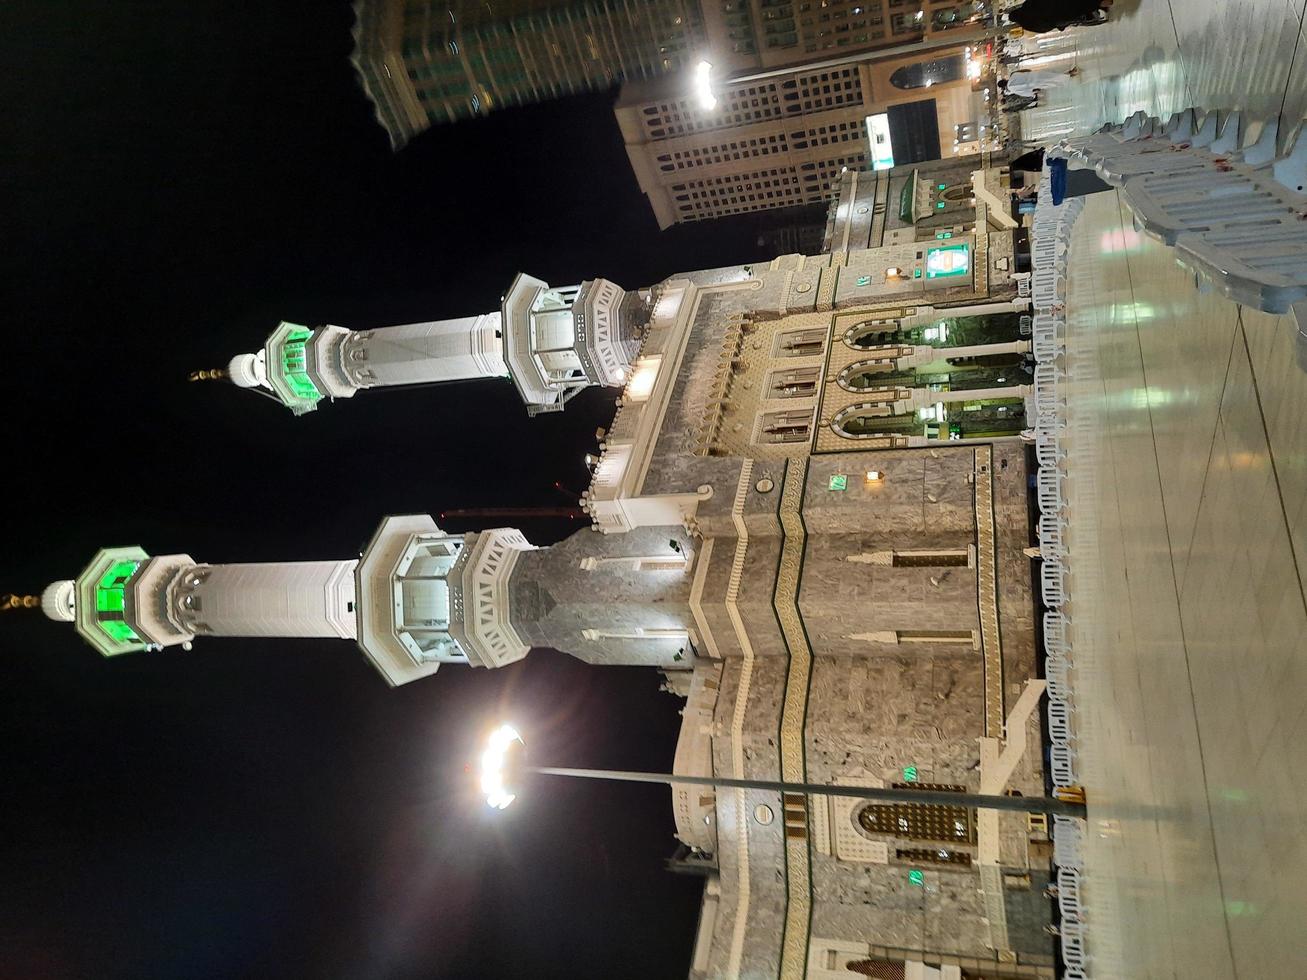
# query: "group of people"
1041, 16
1023, 86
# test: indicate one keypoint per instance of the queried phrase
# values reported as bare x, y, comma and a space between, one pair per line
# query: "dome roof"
59, 600
246, 370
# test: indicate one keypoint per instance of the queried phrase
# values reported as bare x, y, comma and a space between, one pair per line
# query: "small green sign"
839, 481
916, 877
910, 774
942, 187
942, 235
864, 280
916, 273
940, 206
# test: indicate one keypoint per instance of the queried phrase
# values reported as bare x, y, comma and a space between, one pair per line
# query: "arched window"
866, 421
866, 374
920, 821
878, 969
923, 74
874, 333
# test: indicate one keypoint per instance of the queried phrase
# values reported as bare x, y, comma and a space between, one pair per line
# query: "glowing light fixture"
875, 476
882, 146
703, 86
643, 378
496, 761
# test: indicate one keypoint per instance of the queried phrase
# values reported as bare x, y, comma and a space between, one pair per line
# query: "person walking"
1029, 82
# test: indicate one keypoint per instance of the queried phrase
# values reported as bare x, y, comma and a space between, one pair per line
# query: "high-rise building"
433, 61
784, 138
812, 515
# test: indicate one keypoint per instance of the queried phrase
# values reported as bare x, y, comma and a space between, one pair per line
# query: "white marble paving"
1162, 56
1187, 481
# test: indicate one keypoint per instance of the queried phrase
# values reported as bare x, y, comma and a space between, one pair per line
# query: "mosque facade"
810, 511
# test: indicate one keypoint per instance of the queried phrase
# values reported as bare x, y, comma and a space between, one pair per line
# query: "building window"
933, 855
874, 333
955, 558
936, 636
924, 74
785, 427
867, 420
878, 969
921, 821
800, 343
932, 559
867, 374
793, 383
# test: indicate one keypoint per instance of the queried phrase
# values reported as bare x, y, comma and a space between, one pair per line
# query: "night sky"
178, 177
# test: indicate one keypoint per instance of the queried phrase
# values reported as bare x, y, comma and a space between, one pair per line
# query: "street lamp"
500, 766
503, 768
703, 86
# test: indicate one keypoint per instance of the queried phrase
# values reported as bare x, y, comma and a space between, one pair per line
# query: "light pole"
504, 766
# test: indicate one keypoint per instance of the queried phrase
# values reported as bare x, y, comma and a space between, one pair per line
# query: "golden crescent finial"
212, 374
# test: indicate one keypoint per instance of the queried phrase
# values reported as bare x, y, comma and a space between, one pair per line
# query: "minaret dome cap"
247, 370
59, 601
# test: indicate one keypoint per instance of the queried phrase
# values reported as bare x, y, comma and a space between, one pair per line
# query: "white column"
308, 598
929, 355
922, 397
930, 314
422, 353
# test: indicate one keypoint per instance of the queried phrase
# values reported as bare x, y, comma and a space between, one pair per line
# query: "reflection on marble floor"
1162, 56
1187, 488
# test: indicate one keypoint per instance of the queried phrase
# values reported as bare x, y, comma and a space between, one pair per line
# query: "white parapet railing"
1051, 237
1219, 189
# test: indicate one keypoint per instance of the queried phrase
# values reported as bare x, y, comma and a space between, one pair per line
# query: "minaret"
416, 598
552, 343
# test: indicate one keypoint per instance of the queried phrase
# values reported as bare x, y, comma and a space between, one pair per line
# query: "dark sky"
177, 177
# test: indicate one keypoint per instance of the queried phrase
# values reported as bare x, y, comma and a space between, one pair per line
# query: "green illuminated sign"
940, 206
948, 260
942, 187
839, 481
910, 774
916, 877
943, 235
916, 273
864, 280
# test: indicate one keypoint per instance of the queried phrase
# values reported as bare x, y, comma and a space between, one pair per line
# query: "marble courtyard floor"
1187, 496
1187, 489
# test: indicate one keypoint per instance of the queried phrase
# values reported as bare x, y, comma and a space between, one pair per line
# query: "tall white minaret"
552, 343
415, 599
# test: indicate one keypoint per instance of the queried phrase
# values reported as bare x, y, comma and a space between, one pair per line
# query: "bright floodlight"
703, 86
494, 763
